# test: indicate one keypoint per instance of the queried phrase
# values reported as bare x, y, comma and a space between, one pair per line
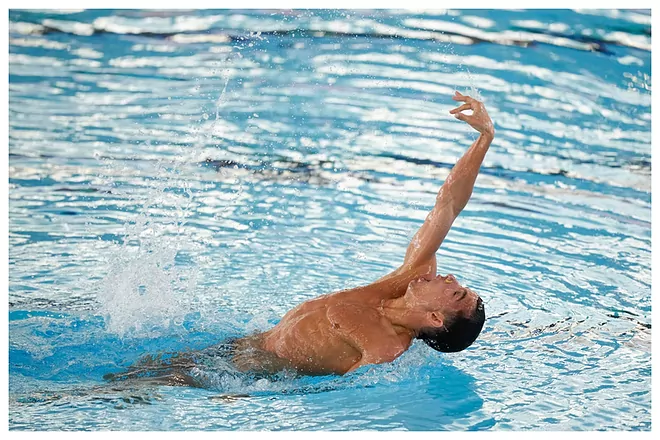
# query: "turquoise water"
177, 178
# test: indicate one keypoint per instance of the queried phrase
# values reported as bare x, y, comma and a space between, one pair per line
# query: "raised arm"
457, 189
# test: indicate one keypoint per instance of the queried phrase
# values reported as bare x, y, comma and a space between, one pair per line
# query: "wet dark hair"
457, 334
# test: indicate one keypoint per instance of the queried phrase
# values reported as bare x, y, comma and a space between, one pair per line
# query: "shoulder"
352, 314
363, 327
367, 331
359, 323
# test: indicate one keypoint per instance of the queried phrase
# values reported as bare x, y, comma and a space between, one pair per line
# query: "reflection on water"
180, 177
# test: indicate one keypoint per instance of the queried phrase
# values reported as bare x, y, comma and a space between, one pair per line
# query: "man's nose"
450, 279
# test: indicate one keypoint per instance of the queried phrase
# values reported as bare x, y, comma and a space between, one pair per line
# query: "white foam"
145, 291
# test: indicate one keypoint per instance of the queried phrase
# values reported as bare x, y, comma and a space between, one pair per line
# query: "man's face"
443, 294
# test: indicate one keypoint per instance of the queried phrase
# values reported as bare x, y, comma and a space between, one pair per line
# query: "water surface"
180, 177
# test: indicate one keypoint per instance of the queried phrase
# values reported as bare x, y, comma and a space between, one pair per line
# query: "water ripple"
177, 177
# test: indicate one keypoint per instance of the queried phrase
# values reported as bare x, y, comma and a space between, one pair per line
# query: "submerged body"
340, 332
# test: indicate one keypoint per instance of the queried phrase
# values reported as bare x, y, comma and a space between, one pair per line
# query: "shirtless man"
342, 331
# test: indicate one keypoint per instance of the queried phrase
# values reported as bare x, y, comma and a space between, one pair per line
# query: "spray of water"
146, 288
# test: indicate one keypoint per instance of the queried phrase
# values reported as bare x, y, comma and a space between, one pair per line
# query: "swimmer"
340, 332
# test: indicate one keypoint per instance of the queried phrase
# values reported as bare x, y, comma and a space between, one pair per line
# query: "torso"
309, 339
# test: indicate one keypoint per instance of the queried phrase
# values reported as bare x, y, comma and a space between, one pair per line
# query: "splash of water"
144, 288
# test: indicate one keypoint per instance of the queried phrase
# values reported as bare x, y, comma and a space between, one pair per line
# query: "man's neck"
397, 312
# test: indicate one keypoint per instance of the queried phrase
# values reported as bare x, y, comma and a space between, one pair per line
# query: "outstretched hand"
479, 119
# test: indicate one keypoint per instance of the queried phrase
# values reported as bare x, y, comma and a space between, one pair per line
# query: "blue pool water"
177, 178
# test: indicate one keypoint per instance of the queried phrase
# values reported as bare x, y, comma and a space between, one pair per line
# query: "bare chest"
311, 343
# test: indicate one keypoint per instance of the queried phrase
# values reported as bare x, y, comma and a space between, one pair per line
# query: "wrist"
488, 133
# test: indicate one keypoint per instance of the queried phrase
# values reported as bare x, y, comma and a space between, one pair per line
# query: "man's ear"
437, 319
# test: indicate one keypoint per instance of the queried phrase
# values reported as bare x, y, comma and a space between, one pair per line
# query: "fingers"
460, 97
463, 117
467, 106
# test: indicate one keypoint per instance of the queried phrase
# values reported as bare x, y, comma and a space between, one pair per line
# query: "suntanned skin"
340, 332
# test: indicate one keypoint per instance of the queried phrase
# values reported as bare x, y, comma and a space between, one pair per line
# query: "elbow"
445, 195
459, 204
447, 200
